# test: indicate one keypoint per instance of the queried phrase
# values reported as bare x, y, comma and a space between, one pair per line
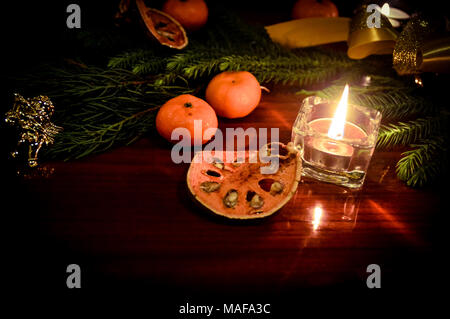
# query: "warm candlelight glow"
317, 217
336, 130
336, 140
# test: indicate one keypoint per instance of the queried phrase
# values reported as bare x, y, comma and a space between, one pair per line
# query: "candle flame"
337, 126
317, 217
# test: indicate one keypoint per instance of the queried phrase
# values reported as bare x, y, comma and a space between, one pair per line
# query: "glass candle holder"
345, 161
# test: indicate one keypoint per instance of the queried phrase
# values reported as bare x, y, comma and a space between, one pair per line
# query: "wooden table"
126, 218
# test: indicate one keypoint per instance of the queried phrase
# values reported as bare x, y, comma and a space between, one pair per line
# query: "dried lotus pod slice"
162, 26
244, 192
283, 152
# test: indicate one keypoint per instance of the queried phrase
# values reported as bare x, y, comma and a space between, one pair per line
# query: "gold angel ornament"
32, 118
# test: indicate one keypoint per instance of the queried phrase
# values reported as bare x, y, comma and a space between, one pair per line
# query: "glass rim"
374, 115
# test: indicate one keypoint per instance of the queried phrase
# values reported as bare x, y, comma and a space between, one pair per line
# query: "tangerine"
192, 14
314, 8
233, 94
181, 112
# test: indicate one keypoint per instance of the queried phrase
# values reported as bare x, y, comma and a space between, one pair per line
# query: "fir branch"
405, 133
130, 58
100, 108
395, 105
99, 137
198, 53
286, 70
425, 163
153, 66
142, 62
219, 48
283, 69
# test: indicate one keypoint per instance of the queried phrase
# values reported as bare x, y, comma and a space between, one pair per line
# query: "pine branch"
142, 62
130, 58
154, 66
178, 62
405, 133
425, 163
219, 48
99, 137
395, 105
99, 108
292, 70
286, 70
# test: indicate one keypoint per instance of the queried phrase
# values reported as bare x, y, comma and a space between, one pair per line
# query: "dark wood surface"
126, 218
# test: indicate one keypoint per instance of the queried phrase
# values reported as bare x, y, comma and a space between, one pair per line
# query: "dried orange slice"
163, 27
239, 190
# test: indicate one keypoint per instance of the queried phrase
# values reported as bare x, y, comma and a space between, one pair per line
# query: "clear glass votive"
345, 161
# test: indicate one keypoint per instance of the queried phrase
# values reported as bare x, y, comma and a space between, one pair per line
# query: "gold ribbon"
436, 55
364, 41
413, 51
309, 32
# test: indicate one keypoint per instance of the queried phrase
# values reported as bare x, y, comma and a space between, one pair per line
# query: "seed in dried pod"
231, 198
209, 187
238, 162
276, 188
256, 201
218, 165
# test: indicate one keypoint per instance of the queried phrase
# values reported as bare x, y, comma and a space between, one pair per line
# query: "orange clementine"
233, 94
314, 8
182, 111
192, 14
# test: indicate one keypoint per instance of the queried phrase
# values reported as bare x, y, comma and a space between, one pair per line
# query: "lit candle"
336, 128
335, 143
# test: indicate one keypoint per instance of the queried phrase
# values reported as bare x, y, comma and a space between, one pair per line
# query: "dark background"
33, 30
36, 30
